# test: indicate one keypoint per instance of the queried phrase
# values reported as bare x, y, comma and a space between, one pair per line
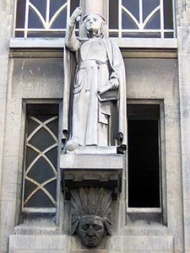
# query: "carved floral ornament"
91, 214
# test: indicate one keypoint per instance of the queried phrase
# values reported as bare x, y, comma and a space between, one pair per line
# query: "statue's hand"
75, 17
114, 83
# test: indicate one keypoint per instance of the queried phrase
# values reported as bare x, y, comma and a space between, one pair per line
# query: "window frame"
162, 210
119, 30
31, 210
25, 28
141, 30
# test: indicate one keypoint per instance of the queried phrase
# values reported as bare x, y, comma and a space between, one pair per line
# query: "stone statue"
94, 108
91, 214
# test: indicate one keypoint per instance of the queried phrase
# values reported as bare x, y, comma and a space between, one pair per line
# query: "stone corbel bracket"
92, 170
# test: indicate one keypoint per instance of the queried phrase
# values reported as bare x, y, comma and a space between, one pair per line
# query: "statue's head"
91, 230
94, 23
91, 214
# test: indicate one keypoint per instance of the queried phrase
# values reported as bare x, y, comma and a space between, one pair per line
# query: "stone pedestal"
92, 167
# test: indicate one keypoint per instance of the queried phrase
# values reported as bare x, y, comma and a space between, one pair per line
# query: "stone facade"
153, 76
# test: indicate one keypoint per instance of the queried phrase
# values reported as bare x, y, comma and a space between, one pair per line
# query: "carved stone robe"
85, 116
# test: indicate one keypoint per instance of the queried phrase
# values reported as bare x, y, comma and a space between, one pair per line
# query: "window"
141, 18
41, 153
43, 18
146, 178
127, 18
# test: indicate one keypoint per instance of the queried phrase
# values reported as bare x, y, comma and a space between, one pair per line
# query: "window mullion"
26, 19
162, 18
140, 14
47, 14
120, 18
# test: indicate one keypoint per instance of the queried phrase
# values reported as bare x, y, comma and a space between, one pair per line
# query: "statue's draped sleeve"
118, 71
69, 63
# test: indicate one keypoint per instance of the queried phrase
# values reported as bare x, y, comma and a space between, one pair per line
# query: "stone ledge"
36, 228
122, 43
130, 47
91, 161
39, 242
141, 243
114, 244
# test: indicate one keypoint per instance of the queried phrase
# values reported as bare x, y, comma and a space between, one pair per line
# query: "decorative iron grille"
141, 18
40, 173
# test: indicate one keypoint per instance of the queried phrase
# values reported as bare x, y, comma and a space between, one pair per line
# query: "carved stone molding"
92, 170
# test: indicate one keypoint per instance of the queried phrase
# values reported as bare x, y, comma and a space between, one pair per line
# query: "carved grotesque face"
93, 23
91, 230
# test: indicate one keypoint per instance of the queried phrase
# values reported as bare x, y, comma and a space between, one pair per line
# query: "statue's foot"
71, 145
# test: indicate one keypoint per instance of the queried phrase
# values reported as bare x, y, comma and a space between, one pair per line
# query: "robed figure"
94, 103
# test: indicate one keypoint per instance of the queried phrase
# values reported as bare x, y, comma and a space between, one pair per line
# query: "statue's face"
91, 230
93, 23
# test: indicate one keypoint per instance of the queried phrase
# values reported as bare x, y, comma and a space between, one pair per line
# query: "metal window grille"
42, 18
40, 167
142, 18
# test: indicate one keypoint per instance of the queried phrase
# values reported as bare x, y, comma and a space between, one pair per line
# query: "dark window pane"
19, 34
168, 35
43, 200
154, 22
53, 127
113, 14
20, 14
34, 20
141, 35
55, 5
29, 187
42, 109
128, 22
31, 126
52, 156
73, 5
31, 155
41, 6
133, 7
42, 140
168, 14
61, 20
143, 155
48, 34
149, 6
41, 171
113, 34
51, 188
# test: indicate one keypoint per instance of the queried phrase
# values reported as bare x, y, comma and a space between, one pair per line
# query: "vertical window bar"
162, 18
141, 14
120, 18
26, 19
47, 13
68, 8
163, 187
15, 17
174, 19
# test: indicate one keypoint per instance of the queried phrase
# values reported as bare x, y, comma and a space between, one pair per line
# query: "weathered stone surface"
40, 243
101, 161
115, 244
